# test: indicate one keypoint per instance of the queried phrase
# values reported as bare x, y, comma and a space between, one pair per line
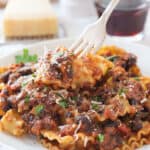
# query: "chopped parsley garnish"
59, 95
27, 99
95, 106
97, 98
100, 138
33, 75
24, 84
38, 109
45, 88
25, 57
63, 103
112, 58
121, 91
74, 98
136, 78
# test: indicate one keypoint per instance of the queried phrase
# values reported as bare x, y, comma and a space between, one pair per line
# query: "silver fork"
94, 34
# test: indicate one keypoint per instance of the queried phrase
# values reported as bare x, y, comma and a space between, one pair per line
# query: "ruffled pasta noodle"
12, 123
138, 140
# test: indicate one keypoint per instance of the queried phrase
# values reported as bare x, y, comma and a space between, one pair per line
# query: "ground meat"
13, 77
147, 103
86, 123
35, 124
69, 117
49, 123
55, 71
124, 129
110, 123
112, 139
15, 87
118, 73
106, 92
136, 125
134, 91
143, 115
5, 91
68, 114
84, 105
148, 89
4, 104
5, 76
126, 61
67, 130
147, 106
133, 102
26, 70
13, 100
36, 128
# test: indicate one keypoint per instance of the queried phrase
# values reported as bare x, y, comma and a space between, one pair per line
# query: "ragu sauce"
128, 18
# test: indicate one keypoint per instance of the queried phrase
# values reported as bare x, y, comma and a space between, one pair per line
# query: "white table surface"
71, 30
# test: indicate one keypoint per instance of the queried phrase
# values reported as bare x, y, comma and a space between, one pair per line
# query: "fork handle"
108, 11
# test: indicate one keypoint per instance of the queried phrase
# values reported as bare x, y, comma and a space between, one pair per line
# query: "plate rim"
64, 40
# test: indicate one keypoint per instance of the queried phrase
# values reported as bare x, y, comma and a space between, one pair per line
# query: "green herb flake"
33, 75
45, 88
100, 138
95, 106
63, 103
137, 78
74, 98
38, 109
121, 91
59, 95
27, 99
97, 98
112, 58
25, 57
24, 84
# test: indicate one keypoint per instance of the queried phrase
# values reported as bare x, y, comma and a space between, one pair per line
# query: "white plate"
8, 142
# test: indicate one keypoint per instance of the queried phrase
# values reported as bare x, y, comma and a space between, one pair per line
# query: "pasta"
140, 139
12, 123
96, 102
3, 69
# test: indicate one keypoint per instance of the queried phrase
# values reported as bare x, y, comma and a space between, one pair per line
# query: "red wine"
125, 22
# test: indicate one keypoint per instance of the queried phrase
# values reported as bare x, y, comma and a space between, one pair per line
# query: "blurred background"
28, 21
